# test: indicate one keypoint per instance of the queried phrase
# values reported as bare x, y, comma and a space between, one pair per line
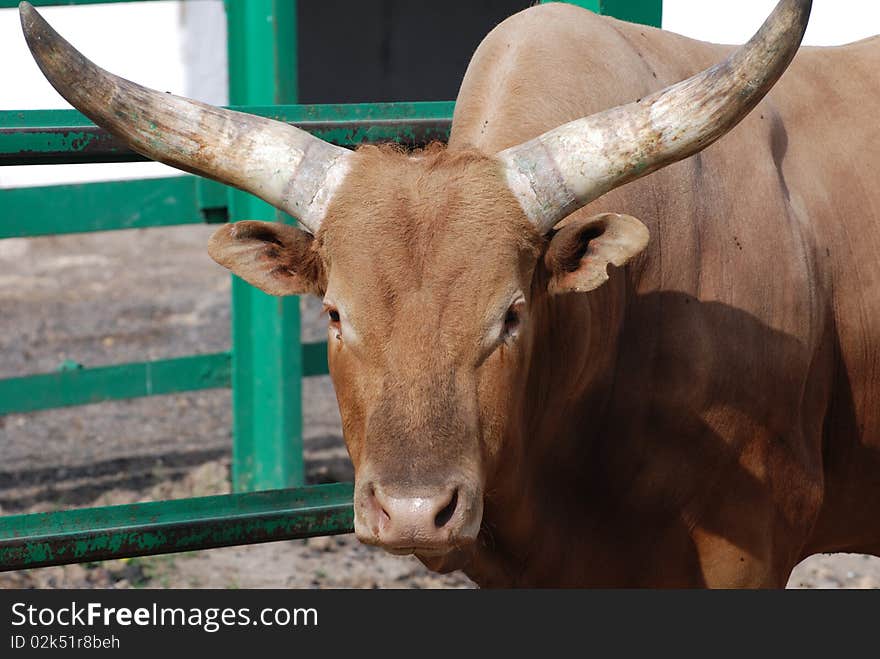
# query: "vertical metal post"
266, 353
646, 12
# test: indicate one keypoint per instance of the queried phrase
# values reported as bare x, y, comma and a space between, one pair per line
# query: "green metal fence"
266, 362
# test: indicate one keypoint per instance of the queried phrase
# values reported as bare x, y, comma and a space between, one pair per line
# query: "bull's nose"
416, 515
434, 521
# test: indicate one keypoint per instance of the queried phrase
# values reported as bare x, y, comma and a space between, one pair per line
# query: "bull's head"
431, 265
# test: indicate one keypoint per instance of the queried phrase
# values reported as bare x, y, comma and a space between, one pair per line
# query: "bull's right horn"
277, 162
568, 167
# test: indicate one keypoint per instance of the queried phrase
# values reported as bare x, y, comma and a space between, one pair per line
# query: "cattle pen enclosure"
267, 361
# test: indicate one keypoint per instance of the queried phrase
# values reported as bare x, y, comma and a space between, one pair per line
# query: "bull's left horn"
277, 162
567, 167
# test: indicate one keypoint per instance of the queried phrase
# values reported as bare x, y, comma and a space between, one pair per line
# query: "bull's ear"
579, 253
276, 258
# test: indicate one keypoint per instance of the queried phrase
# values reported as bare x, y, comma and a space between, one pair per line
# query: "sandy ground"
149, 294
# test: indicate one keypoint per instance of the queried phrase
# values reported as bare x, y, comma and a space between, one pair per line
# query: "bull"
537, 387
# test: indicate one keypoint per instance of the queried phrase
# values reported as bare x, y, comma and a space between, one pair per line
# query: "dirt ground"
148, 294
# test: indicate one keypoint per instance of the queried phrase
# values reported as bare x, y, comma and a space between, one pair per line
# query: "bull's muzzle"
427, 523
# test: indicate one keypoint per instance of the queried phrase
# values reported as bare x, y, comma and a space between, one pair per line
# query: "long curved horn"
570, 166
277, 162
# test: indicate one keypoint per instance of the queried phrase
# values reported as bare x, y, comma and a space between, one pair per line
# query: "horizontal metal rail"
45, 137
111, 205
79, 145
83, 386
162, 527
75, 385
321, 112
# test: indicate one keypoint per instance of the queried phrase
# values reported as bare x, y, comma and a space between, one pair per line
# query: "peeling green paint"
92, 534
341, 112
66, 136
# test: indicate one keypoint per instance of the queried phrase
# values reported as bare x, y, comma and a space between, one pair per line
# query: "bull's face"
428, 269
424, 264
430, 262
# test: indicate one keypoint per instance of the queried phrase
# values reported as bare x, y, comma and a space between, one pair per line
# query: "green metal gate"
267, 361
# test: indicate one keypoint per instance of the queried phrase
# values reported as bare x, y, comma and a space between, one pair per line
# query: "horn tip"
41, 39
30, 18
26, 9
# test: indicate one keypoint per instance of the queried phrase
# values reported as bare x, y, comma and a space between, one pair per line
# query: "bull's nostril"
375, 502
445, 515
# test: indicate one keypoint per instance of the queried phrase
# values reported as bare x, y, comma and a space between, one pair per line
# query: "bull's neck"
565, 387
567, 381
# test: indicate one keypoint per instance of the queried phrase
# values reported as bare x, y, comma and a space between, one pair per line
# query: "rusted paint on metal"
89, 144
75, 536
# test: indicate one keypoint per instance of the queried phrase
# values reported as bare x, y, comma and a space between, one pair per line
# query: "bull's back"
761, 284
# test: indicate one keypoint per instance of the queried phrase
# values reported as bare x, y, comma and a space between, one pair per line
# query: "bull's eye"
512, 320
334, 320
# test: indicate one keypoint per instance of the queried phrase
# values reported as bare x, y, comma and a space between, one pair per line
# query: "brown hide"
735, 429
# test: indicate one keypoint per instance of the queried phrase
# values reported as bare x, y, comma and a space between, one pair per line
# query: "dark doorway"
390, 50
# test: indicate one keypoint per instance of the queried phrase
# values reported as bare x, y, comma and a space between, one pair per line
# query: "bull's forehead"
426, 245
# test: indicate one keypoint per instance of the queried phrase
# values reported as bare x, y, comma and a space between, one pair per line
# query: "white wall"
832, 22
204, 51
139, 41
